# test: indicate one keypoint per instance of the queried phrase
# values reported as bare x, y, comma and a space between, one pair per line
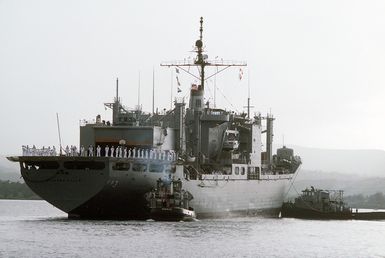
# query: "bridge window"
243, 170
237, 170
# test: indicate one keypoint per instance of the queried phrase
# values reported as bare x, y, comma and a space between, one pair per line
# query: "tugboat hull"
172, 214
291, 212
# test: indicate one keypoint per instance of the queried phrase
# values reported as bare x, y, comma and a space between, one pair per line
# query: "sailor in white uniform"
98, 151
112, 151
106, 149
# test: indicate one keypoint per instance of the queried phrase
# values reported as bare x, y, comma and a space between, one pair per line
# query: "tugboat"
317, 204
169, 202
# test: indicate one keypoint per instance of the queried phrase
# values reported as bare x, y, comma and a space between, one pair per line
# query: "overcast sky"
319, 66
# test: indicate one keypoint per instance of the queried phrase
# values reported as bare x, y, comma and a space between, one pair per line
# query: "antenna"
153, 90
201, 61
58, 129
172, 84
139, 91
117, 89
215, 89
248, 94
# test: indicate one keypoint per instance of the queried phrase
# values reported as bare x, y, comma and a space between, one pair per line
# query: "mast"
197, 91
200, 61
58, 129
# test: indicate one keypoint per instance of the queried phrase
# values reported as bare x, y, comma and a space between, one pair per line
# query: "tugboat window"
121, 166
156, 168
169, 169
138, 167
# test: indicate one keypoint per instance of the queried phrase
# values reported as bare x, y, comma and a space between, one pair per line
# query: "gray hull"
99, 191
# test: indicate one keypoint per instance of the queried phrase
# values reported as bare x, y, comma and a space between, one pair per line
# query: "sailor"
90, 151
151, 154
33, 152
125, 152
54, 151
117, 151
112, 151
76, 151
146, 154
82, 151
120, 152
106, 149
67, 150
98, 151
129, 153
24, 150
49, 151
133, 153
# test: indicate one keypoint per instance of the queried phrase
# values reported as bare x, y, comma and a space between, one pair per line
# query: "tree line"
374, 201
16, 190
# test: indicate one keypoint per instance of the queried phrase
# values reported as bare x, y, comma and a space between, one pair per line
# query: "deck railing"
117, 152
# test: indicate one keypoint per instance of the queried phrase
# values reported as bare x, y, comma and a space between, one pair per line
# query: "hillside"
352, 185
9, 170
353, 162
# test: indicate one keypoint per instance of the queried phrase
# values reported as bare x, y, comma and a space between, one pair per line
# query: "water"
36, 229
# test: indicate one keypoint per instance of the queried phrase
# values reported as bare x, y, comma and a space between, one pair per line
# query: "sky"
318, 66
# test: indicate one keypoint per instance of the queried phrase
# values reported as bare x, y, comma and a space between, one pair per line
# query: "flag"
176, 70
177, 80
179, 90
240, 73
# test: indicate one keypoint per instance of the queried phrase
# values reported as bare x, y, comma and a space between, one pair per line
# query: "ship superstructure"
216, 153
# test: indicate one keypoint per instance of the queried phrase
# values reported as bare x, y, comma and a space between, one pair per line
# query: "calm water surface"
37, 229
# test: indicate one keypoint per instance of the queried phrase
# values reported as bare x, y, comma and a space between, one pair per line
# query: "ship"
216, 153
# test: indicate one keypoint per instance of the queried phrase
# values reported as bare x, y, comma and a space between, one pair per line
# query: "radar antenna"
202, 61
